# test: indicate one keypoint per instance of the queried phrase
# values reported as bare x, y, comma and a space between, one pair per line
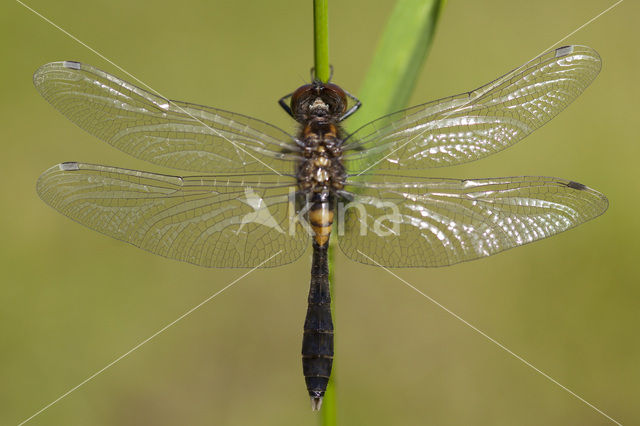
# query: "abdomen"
317, 341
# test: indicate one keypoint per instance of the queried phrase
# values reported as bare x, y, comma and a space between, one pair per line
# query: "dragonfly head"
318, 100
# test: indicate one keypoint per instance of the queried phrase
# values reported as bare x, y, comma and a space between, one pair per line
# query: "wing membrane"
473, 125
214, 221
409, 222
169, 133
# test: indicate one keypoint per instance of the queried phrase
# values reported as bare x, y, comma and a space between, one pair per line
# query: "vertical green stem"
329, 417
398, 58
322, 73
321, 40
387, 87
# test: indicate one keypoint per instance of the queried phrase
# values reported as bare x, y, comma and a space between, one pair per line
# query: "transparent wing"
409, 222
473, 125
214, 221
169, 133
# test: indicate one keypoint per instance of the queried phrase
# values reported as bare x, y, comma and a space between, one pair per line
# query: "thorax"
321, 168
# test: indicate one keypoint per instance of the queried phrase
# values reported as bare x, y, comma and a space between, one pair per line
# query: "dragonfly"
257, 196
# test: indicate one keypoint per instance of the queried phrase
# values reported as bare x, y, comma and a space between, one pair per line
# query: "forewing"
214, 221
473, 125
408, 222
169, 133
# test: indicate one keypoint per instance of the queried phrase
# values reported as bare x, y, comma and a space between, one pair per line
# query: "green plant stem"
387, 87
398, 58
329, 414
321, 40
322, 73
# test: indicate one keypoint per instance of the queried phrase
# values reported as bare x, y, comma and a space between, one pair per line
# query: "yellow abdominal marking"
321, 220
322, 239
321, 217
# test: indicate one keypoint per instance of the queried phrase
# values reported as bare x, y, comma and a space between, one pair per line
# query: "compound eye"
299, 96
338, 99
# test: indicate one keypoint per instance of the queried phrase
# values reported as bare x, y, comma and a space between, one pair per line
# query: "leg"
285, 106
353, 109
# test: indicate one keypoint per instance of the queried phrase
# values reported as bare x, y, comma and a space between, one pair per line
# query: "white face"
319, 104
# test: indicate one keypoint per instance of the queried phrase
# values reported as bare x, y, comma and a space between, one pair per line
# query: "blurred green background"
74, 300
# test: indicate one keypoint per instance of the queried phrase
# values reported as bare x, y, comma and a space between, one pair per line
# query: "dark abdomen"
317, 342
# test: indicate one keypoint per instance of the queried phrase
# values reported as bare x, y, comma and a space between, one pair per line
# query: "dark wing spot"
576, 185
69, 166
72, 64
564, 51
